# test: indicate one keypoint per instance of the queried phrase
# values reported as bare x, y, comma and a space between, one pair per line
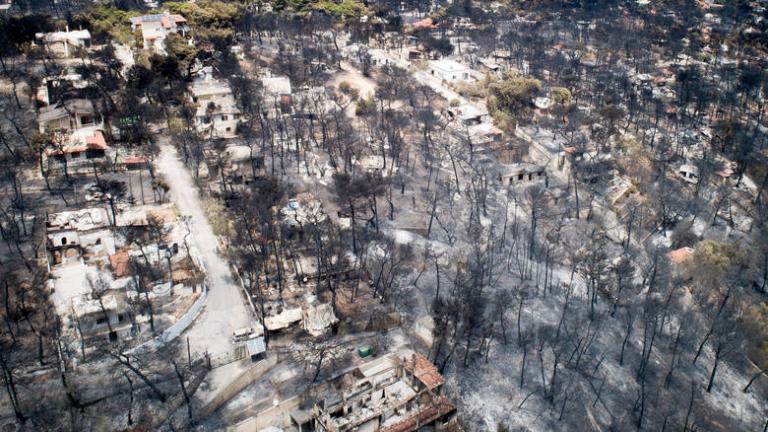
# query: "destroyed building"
522, 174
91, 286
77, 150
397, 392
390, 394
64, 44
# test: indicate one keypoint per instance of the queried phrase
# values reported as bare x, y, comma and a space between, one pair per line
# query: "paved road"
225, 310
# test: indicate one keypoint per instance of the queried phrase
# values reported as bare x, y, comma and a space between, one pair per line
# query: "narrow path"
225, 310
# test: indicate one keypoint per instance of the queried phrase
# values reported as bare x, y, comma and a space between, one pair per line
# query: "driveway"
225, 310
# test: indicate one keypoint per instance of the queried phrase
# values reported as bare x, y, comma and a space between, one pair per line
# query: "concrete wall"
276, 416
252, 373
178, 327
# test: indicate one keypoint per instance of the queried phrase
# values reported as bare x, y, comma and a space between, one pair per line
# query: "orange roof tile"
678, 256
425, 371
119, 262
135, 160
425, 23
93, 142
725, 172
96, 141
426, 415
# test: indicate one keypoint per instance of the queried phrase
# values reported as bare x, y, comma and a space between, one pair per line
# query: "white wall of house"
71, 122
223, 119
224, 125
449, 70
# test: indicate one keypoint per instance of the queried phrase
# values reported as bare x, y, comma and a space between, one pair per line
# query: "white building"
522, 174
95, 318
375, 164
217, 113
276, 86
689, 173
155, 28
450, 70
468, 114
65, 43
72, 114
278, 93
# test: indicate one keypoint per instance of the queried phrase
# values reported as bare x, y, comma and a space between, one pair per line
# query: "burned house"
279, 317
315, 318
522, 174
76, 151
398, 392
64, 44
319, 319
91, 284
299, 213
71, 234
375, 165
689, 173
468, 115
55, 88
278, 93
389, 394
79, 244
242, 165
486, 135
107, 317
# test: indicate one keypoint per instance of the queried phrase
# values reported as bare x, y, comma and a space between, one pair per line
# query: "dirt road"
225, 310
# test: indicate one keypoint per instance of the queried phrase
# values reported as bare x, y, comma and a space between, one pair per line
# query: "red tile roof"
425, 371
130, 160
119, 262
96, 141
425, 23
725, 172
426, 415
93, 142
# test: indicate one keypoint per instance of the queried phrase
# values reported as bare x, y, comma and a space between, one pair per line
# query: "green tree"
107, 23
210, 18
184, 53
511, 99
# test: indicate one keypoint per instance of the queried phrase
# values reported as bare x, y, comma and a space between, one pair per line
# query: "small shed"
257, 350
